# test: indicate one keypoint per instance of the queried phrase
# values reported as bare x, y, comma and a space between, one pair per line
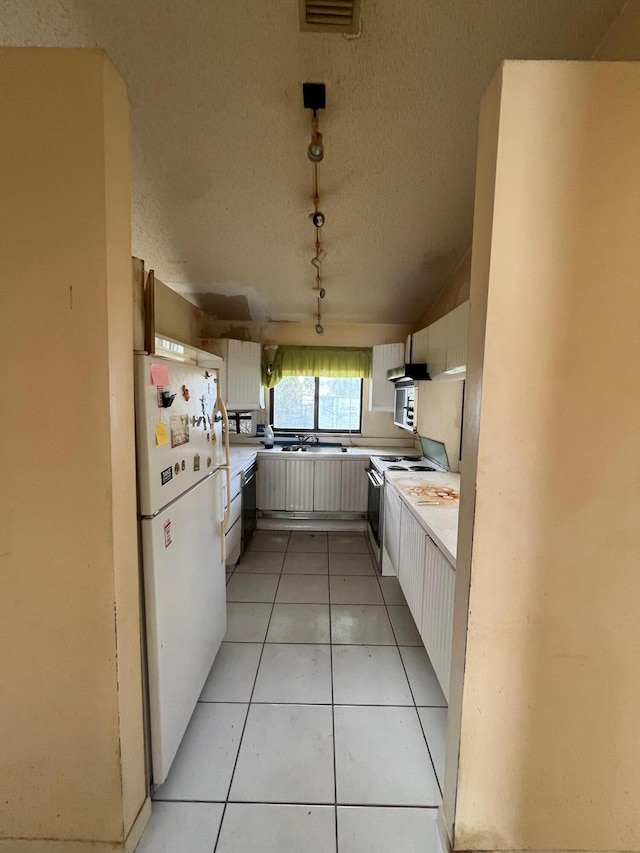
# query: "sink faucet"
311, 439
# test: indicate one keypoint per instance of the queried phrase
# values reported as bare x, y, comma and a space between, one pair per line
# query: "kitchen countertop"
240, 457
440, 522
331, 453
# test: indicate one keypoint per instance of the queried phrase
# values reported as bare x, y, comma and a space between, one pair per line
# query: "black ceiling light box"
314, 96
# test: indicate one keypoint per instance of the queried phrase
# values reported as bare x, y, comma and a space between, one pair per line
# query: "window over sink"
317, 404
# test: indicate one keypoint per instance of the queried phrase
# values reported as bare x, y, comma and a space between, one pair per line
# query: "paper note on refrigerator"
162, 436
159, 374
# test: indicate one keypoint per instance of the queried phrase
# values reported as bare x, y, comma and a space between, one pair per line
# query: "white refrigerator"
180, 459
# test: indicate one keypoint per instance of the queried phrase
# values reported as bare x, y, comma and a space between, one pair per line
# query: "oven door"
249, 505
375, 504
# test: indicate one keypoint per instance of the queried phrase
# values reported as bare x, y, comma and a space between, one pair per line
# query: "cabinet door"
244, 380
392, 520
354, 485
437, 347
447, 342
420, 346
456, 353
381, 391
411, 564
327, 485
272, 483
232, 539
299, 485
437, 611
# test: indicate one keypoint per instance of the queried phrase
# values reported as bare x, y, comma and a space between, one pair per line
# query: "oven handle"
375, 481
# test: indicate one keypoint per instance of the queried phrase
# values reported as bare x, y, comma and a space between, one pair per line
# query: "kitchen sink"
313, 448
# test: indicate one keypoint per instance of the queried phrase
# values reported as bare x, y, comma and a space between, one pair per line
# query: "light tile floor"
321, 727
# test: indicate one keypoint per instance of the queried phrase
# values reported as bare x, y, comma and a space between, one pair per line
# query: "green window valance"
334, 362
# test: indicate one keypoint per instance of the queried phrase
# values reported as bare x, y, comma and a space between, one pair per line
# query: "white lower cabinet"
232, 543
272, 483
427, 580
437, 611
299, 485
411, 564
233, 535
327, 485
354, 490
392, 521
312, 485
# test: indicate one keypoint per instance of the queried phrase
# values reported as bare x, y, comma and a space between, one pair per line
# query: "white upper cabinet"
447, 344
241, 375
381, 391
420, 347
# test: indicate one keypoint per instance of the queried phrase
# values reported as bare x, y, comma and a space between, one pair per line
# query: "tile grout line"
354, 804
333, 703
246, 719
406, 675
333, 709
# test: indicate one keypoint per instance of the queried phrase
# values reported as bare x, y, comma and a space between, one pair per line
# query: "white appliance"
404, 378
182, 465
434, 458
404, 405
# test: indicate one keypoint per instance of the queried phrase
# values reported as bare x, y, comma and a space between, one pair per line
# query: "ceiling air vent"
329, 16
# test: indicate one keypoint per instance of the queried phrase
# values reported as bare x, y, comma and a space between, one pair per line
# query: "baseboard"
138, 827
307, 525
443, 831
51, 845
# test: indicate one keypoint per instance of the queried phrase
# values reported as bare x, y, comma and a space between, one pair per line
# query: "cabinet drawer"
236, 510
236, 485
232, 543
236, 488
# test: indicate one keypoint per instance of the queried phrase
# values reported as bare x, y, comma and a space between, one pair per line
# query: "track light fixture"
313, 96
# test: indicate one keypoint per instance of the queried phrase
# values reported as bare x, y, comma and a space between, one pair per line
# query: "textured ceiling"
221, 183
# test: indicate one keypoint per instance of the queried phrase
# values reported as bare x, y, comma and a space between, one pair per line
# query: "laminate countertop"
348, 452
242, 455
439, 521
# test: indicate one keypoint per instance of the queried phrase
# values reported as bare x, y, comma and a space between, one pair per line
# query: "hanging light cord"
319, 254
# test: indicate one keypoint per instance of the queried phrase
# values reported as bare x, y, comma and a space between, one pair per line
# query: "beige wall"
304, 334
180, 319
622, 41
455, 292
71, 749
549, 747
440, 415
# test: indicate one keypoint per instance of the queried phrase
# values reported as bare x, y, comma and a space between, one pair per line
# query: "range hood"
408, 371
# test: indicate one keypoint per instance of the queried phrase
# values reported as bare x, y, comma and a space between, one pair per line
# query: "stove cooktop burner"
396, 468
420, 468
389, 458
411, 458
